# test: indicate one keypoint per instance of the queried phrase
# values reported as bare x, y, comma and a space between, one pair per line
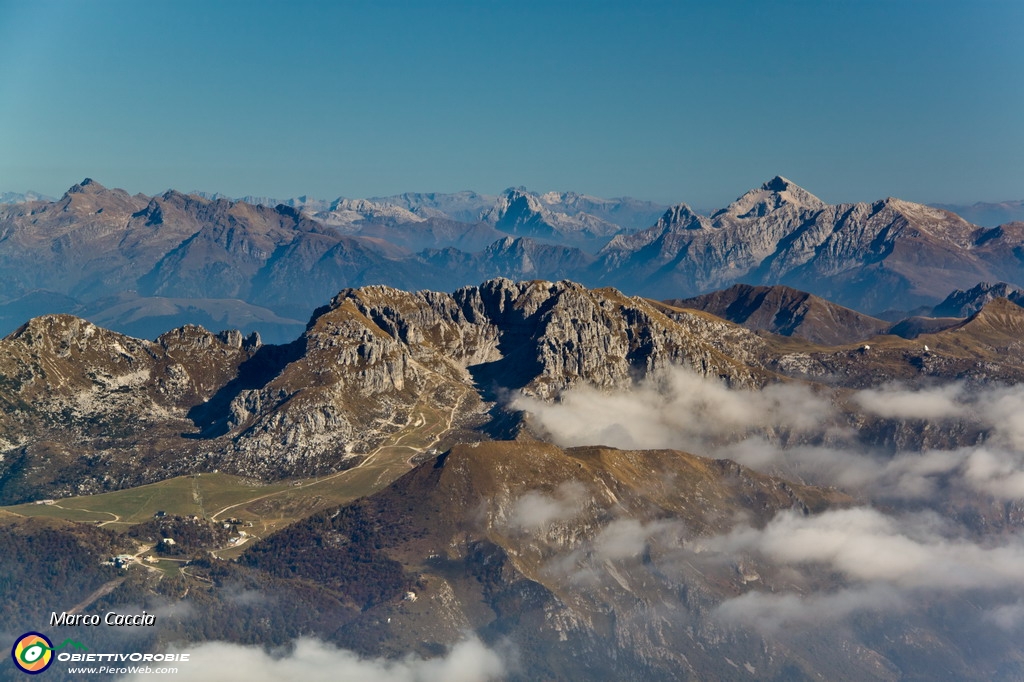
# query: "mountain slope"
521, 542
521, 213
786, 311
95, 244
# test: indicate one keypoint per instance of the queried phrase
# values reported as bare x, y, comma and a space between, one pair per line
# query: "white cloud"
536, 510
314, 661
684, 411
768, 612
628, 538
896, 402
825, 567
998, 473
887, 564
866, 545
678, 409
621, 540
1007, 616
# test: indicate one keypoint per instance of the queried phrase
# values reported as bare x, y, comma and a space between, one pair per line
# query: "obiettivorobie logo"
33, 652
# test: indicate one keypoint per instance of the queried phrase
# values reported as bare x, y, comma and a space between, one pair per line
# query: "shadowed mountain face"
788, 312
95, 243
194, 400
137, 262
963, 303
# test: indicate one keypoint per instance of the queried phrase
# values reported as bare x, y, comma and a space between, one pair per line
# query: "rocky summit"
113, 410
870, 257
193, 399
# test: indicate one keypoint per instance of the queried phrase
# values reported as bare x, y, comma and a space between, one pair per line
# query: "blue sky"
672, 101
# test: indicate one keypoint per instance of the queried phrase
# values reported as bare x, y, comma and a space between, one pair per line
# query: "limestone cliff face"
543, 337
87, 410
194, 399
372, 354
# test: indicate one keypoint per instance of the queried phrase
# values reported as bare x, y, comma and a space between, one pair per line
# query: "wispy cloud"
677, 409
314, 661
913, 551
688, 412
820, 568
537, 510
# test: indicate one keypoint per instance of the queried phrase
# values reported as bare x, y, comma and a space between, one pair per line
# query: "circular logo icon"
32, 653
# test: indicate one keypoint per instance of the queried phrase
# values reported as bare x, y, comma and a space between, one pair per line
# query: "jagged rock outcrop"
521, 213
542, 337
136, 411
962, 303
366, 361
85, 409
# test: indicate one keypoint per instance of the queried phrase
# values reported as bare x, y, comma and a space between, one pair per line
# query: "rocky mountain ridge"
175, 258
364, 362
137, 410
865, 256
788, 312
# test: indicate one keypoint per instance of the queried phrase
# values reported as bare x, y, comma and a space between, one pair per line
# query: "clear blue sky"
673, 101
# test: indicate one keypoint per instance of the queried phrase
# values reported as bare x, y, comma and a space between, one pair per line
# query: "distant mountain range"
142, 264
988, 214
22, 197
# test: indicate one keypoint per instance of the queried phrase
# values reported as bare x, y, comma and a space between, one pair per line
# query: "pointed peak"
789, 190
777, 193
681, 216
87, 186
778, 184
680, 213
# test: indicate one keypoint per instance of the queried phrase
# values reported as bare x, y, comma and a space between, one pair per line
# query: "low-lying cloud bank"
919, 551
872, 561
888, 564
314, 661
684, 411
678, 409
